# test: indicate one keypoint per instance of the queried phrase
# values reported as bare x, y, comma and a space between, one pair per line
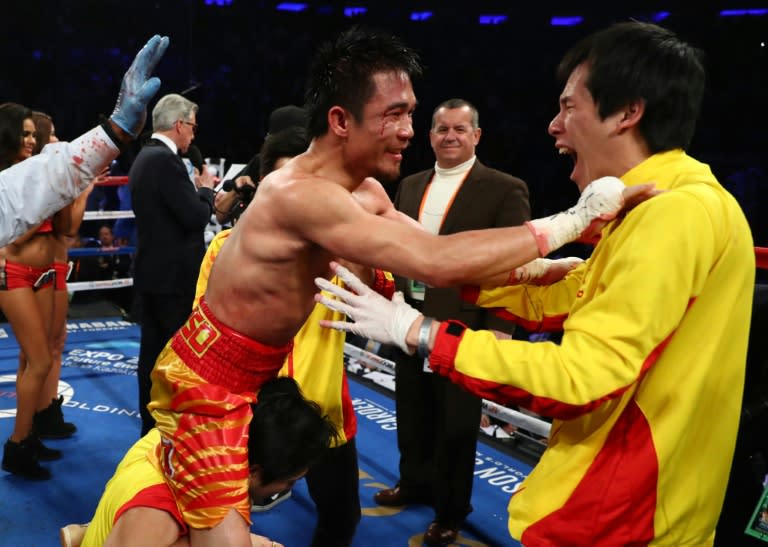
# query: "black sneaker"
21, 459
44, 454
49, 423
268, 503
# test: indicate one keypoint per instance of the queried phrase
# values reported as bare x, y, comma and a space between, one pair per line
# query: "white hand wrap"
538, 268
600, 201
535, 269
375, 317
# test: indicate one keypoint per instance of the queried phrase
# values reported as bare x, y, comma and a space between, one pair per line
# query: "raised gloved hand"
543, 271
375, 317
138, 88
600, 202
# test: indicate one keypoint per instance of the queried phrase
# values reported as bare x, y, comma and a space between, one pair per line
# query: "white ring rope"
104, 215
508, 415
75, 286
107, 215
101, 284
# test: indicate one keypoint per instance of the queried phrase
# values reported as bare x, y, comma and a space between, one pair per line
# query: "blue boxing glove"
137, 88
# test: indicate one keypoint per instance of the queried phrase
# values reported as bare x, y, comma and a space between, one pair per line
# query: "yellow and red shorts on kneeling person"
203, 384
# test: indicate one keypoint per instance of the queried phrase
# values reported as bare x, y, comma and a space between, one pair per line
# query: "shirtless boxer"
360, 103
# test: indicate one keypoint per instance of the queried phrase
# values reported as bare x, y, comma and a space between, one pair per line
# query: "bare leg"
31, 325
140, 526
58, 338
233, 531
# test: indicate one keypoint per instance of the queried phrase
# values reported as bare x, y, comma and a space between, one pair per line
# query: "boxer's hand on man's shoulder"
598, 204
636, 194
543, 271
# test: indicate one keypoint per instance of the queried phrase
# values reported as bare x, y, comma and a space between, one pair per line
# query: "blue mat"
99, 386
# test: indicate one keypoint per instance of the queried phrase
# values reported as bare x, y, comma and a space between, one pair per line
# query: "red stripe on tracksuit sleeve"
471, 293
442, 361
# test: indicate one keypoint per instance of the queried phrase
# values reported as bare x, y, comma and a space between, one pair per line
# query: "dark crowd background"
239, 59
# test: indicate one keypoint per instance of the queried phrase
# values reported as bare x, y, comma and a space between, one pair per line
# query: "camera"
244, 193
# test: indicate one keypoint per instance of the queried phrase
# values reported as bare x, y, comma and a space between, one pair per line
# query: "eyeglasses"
194, 125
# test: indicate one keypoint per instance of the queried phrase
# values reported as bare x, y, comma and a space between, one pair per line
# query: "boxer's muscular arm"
374, 199
328, 215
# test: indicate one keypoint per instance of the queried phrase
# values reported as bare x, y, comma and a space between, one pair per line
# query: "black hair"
43, 130
287, 433
286, 143
12, 116
342, 73
636, 61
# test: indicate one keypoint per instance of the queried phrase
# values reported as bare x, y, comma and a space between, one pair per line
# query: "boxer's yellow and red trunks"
203, 384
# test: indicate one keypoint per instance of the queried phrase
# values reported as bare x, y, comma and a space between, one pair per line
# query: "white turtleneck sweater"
440, 194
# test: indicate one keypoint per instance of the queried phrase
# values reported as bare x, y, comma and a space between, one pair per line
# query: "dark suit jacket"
171, 216
487, 199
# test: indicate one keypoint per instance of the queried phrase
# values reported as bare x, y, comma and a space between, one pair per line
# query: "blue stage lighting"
558, 21
291, 6
741, 12
492, 19
354, 11
421, 15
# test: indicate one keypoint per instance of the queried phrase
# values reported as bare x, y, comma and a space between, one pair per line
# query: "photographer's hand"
241, 182
204, 179
226, 199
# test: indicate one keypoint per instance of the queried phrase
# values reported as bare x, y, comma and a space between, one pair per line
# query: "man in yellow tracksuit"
645, 388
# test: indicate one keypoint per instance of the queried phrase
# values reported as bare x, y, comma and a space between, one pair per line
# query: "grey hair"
451, 104
170, 109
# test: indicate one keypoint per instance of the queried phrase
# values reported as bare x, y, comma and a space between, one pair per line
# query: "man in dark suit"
438, 422
171, 212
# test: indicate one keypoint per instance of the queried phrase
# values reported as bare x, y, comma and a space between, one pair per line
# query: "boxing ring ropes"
104, 251
362, 356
